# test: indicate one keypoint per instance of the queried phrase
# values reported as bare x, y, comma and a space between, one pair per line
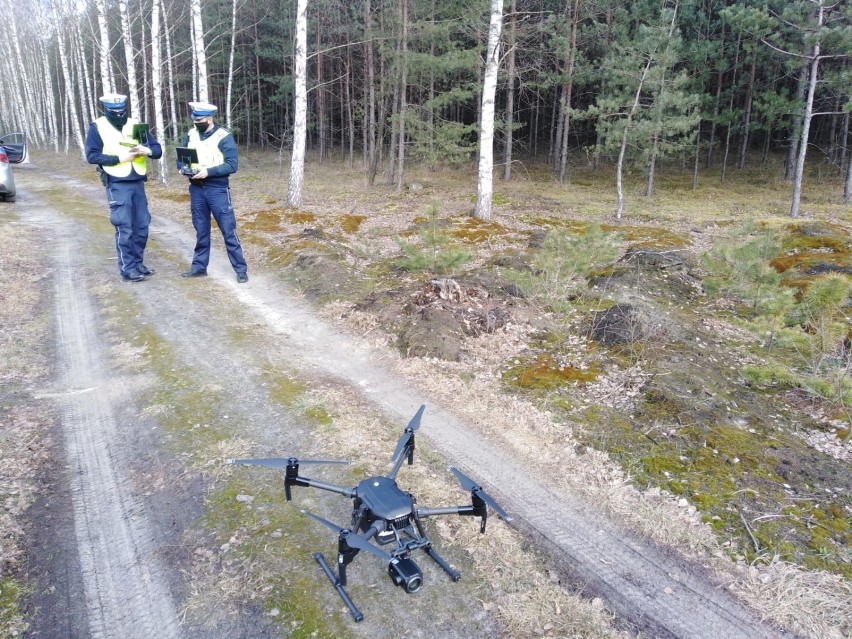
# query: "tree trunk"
652, 167
321, 114
697, 154
106, 60
403, 89
724, 169
372, 158
199, 51
157, 81
485, 183
73, 121
796, 133
350, 98
394, 121
747, 116
129, 58
300, 107
806, 122
170, 70
261, 131
231, 64
569, 90
717, 101
510, 94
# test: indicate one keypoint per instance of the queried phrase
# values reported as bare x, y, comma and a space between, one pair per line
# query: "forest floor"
638, 426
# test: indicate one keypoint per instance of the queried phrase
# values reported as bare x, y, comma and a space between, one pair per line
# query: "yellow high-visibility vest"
208, 150
112, 139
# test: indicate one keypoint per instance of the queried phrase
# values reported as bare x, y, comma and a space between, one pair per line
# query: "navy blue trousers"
214, 199
128, 213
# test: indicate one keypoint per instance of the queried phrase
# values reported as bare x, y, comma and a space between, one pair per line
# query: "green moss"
12, 596
282, 389
648, 237
265, 221
318, 415
299, 217
545, 373
475, 231
812, 243
351, 223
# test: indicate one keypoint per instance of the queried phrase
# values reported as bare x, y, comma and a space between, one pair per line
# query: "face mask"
116, 118
201, 127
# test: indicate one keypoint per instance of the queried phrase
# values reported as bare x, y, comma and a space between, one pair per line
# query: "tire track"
124, 588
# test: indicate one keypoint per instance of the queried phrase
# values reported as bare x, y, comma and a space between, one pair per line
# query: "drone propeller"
408, 433
283, 462
468, 484
354, 540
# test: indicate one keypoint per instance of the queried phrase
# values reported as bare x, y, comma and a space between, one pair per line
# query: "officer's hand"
141, 150
202, 173
127, 157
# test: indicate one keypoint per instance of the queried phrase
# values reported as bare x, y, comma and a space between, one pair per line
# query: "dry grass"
25, 421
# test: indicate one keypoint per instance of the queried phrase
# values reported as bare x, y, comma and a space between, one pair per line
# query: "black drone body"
383, 515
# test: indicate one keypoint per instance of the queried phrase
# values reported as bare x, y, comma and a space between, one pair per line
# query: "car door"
15, 145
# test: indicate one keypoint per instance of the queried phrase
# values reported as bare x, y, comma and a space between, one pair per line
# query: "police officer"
209, 191
123, 165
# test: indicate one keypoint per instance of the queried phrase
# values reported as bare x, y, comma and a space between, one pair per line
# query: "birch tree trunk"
106, 61
231, 64
129, 58
20, 81
485, 183
49, 90
71, 105
300, 108
170, 70
199, 50
157, 81
796, 133
619, 169
806, 121
88, 104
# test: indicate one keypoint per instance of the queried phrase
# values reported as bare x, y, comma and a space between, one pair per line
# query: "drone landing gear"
357, 615
455, 575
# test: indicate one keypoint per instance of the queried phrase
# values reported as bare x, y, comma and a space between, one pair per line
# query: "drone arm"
313, 483
448, 510
477, 509
406, 453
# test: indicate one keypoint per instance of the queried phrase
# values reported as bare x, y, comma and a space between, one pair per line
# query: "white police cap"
113, 100
202, 109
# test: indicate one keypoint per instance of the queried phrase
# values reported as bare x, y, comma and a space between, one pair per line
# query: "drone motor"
407, 574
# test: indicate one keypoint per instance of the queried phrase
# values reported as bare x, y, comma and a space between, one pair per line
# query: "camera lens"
413, 584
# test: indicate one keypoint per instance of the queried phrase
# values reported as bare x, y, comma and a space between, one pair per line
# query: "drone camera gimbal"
384, 514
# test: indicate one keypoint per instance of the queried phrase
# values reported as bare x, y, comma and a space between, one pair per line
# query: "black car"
13, 150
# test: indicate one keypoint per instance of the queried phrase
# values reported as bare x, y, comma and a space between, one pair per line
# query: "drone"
383, 515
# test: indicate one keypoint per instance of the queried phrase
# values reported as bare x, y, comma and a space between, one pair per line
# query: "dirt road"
124, 565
